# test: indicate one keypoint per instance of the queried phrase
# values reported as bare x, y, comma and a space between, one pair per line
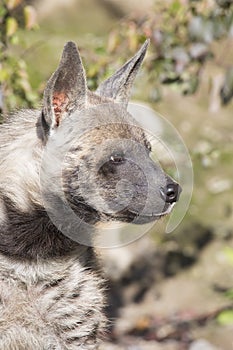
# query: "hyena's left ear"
66, 90
118, 86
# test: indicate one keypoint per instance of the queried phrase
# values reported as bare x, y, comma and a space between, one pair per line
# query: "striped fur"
51, 304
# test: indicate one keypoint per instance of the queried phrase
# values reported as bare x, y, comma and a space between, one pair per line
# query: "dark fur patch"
32, 235
75, 293
54, 283
71, 340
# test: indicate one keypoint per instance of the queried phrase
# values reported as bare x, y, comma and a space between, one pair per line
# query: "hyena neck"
26, 230
31, 235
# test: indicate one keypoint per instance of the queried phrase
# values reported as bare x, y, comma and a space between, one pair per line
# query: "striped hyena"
84, 152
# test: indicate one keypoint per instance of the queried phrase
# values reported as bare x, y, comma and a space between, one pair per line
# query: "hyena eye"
117, 159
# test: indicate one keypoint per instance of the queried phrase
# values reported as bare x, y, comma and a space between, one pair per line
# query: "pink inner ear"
60, 102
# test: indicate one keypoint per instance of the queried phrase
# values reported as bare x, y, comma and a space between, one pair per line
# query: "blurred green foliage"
228, 251
225, 318
182, 33
15, 88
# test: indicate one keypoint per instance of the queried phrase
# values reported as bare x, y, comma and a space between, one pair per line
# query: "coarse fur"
51, 289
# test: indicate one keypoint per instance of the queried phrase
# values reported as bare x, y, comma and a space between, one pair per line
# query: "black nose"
171, 193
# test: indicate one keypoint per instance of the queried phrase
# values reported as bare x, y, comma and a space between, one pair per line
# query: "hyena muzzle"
84, 152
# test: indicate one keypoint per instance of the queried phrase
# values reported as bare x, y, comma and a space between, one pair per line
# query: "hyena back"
51, 290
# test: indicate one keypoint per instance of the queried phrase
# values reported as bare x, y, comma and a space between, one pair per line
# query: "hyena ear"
118, 86
66, 90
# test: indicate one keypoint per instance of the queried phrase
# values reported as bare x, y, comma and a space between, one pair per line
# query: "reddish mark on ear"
60, 102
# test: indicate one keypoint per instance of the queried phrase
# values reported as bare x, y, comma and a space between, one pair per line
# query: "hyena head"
103, 155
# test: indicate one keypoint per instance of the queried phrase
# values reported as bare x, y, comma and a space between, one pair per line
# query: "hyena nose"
171, 193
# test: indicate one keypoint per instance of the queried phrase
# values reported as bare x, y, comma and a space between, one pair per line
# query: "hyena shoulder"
59, 302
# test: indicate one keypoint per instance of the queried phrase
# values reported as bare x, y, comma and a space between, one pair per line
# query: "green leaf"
175, 7
11, 26
228, 252
229, 294
3, 75
14, 40
225, 317
3, 11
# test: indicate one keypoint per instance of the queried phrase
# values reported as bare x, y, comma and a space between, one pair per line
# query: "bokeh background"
170, 291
